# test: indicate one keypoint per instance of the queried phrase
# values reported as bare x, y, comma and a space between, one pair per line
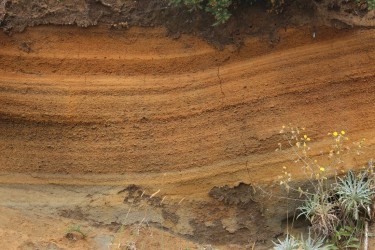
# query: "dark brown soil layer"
246, 20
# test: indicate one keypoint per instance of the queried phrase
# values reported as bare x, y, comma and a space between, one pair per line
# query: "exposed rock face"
174, 130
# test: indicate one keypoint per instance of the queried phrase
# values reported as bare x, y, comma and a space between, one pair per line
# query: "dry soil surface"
103, 128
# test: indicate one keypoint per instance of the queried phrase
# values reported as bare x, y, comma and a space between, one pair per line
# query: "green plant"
345, 237
370, 3
338, 208
313, 244
192, 4
355, 194
289, 243
220, 9
321, 214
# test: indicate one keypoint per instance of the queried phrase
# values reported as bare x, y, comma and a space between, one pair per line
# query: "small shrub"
355, 194
371, 4
337, 207
220, 8
313, 244
289, 243
321, 213
346, 237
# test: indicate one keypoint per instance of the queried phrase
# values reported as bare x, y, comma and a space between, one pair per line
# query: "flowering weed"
337, 207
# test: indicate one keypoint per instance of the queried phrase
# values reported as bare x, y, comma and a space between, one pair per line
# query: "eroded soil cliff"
117, 125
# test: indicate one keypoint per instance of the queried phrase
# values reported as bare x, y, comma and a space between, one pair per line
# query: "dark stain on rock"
170, 216
135, 195
240, 195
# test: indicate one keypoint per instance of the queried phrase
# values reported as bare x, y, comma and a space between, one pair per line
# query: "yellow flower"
343, 132
322, 169
335, 134
306, 138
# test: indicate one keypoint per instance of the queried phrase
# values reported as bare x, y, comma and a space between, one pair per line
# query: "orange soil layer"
132, 106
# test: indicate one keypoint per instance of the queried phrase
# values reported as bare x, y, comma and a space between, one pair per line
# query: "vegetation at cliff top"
220, 9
